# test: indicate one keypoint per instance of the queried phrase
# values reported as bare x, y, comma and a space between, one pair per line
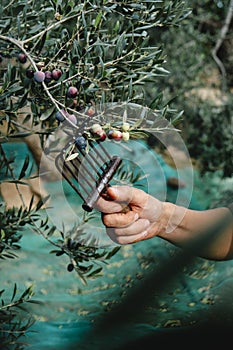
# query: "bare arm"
150, 217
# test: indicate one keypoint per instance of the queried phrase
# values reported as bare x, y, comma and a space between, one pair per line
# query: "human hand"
140, 222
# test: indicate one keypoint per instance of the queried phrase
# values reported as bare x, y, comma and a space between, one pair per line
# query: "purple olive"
56, 74
22, 57
39, 76
72, 92
48, 76
110, 134
30, 73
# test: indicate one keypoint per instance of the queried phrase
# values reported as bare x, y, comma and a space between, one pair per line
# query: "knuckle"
107, 220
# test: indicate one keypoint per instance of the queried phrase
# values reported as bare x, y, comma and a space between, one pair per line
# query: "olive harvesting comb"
84, 162
87, 167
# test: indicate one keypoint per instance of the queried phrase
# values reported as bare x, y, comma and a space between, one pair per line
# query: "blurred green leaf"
24, 167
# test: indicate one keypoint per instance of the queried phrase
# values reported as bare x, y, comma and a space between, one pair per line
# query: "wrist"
171, 220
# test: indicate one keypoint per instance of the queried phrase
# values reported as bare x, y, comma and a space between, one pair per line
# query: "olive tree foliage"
103, 49
200, 82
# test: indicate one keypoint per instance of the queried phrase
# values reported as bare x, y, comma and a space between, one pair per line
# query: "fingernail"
114, 192
136, 216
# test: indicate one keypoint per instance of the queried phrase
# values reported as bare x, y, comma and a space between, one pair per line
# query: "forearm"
187, 225
207, 233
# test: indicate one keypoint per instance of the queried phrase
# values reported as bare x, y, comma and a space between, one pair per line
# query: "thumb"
125, 194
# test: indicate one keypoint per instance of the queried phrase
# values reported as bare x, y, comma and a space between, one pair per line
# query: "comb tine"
77, 166
92, 160
100, 160
84, 168
96, 171
74, 175
92, 199
66, 165
104, 150
98, 153
58, 159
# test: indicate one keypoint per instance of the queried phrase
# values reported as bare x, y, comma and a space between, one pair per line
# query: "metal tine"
103, 183
77, 169
58, 159
73, 161
77, 159
74, 175
83, 153
97, 172
104, 150
66, 165
91, 161
99, 154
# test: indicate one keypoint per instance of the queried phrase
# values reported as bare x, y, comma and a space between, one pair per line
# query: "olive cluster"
116, 134
40, 75
97, 131
100, 134
48, 76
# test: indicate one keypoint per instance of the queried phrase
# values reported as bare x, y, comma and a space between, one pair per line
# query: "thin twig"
219, 42
20, 44
54, 25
